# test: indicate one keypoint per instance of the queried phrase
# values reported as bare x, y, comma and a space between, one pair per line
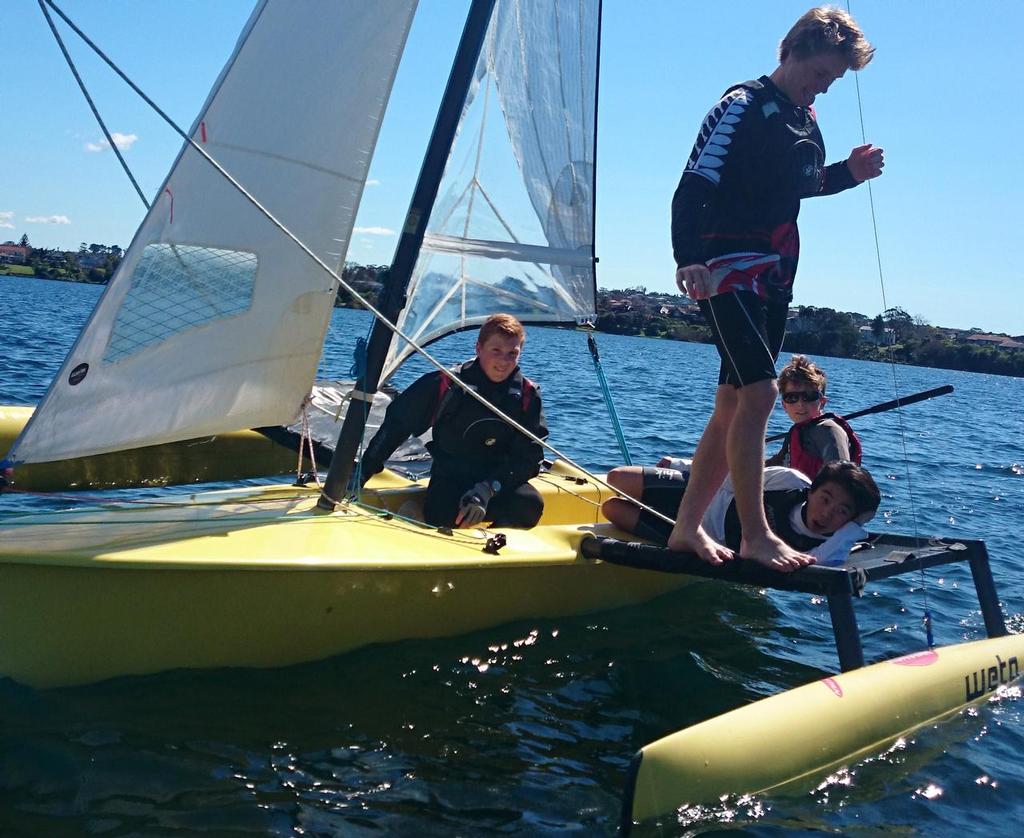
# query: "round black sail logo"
78, 374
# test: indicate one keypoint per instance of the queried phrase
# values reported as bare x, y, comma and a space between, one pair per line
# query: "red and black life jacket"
810, 464
520, 390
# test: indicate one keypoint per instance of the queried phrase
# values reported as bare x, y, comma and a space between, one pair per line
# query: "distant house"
795, 323
14, 253
92, 260
867, 335
996, 341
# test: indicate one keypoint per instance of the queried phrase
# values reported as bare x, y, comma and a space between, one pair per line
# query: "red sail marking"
167, 189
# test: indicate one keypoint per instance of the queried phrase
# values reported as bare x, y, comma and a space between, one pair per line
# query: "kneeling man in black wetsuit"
804, 514
481, 463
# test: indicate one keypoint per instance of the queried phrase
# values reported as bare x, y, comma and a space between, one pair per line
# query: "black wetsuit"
470, 444
757, 155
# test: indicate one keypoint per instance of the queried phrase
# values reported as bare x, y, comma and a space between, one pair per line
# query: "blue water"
527, 729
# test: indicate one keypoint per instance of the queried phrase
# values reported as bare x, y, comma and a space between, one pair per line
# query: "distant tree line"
899, 337
366, 279
93, 263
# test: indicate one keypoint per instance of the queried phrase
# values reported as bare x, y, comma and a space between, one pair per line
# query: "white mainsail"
512, 229
214, 320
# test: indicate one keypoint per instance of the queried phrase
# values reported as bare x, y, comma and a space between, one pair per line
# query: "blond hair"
827, 29
801, 371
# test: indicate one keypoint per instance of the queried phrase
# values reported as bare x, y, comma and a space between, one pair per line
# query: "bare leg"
745, 451
709, 469
630, 481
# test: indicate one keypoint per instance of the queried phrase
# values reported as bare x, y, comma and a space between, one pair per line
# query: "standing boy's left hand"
865, 162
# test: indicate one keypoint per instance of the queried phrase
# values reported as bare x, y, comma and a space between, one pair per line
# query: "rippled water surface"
527, 729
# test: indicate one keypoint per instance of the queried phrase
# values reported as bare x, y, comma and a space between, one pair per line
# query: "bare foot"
699, 542
774, 553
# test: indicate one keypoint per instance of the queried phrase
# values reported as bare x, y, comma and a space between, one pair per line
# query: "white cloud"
373, 182
374, 231
122, 141
47, 219
5, 220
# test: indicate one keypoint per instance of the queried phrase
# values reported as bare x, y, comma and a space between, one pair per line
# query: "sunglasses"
793, 398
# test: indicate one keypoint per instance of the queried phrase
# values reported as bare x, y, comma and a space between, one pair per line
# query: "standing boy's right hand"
694, 280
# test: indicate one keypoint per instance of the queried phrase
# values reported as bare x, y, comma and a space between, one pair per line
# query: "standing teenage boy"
735, 241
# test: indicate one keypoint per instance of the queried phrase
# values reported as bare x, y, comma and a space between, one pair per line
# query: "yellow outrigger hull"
260, 578
789, 741
232, 456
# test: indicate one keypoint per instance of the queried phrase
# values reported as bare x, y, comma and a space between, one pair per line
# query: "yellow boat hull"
261, 578
231, 456
791, 740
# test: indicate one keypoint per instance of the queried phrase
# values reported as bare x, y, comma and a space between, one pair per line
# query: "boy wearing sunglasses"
816, 437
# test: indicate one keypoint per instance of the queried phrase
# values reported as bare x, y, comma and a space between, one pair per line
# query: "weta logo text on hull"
976, 684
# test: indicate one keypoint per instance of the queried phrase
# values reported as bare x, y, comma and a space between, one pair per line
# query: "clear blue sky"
948, 205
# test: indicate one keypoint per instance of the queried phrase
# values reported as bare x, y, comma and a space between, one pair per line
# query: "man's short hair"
800, 371
827, 29
856, 480
502, 324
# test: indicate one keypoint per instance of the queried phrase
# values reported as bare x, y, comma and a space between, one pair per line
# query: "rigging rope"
616, 426
92, 105
892, 365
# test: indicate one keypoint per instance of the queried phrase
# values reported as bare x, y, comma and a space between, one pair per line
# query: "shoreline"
929, 347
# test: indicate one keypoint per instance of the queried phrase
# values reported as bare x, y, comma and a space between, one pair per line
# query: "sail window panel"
175, 288
460, 290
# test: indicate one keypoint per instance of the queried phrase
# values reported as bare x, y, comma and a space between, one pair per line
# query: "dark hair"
827, 29
854, 479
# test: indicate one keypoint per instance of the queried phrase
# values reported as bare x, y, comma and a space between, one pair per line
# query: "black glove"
473, 504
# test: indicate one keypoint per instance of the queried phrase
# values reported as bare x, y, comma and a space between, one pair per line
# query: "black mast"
408, 249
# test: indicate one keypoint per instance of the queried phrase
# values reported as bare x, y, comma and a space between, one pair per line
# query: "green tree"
878, 328
900, 322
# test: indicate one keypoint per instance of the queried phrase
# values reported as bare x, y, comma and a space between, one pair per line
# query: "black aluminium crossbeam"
882, 557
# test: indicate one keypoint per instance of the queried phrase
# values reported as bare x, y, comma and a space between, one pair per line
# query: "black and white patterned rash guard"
735, 209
